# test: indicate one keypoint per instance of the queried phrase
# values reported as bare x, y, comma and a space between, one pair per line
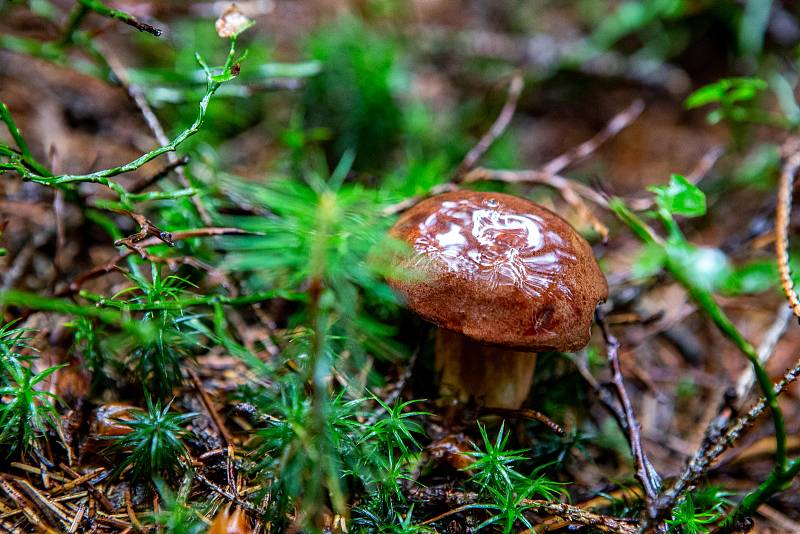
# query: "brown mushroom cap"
501, 270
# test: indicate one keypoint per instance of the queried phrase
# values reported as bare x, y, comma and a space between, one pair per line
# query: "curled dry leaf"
109, 420
232, 22
227, 522
452, 450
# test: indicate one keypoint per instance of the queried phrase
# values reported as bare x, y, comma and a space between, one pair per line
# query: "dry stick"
94, 490
704, 457
555, 523
496, 130
78, 481
230, 496
30, 513
603, 394
783, 211
523, 413
146, 229
207, 404
571, 513
619, 122
51, 511
547, 174
765, 351
706, 163
112, 264
131, 513
645, 472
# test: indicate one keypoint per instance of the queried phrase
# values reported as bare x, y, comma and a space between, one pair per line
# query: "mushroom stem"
492, 376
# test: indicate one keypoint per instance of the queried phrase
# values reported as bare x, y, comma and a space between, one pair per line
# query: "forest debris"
496, 130
783, 213
645, 472
113, 264
209, 407
232, 22
453, 450
147, 229
227, 522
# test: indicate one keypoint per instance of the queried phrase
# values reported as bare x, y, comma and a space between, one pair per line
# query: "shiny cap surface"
501, 270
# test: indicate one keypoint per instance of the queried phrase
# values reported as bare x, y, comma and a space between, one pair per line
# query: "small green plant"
177, 515
736, 103
735, 98
699, 511
12, 342
683, 261
302, 461
328, 235
27, 412
155, 445
354, 93
165, 339
493, 465
405, 525
508, 490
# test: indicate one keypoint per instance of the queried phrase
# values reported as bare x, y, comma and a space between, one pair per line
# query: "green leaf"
706, 267
755, 277
649, 261
680, 197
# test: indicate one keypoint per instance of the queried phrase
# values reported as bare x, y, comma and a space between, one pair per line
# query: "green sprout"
155, 445
27, 413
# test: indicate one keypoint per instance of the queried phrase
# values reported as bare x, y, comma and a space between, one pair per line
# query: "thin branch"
783, 211
705, 164
619, 122
573, 514
146, 229
645, 472
209, 406
704, 457
113, 263
765, 351
523, 413
495, 131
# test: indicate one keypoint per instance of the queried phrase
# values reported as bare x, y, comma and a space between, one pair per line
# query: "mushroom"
503, 278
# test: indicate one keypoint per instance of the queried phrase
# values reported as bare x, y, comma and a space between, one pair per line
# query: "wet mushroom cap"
501, 270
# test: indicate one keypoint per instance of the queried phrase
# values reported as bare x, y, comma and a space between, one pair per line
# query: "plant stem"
782, 471
775, 482
27, 157
130, 20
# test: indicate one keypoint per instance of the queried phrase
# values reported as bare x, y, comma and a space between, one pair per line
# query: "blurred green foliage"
355, 95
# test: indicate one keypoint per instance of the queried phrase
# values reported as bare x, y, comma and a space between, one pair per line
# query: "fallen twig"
147, 229
619, 122
783, 211
572, 514
113, 264
496, 130
523, 413
645, 472
209, 406
705, 456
